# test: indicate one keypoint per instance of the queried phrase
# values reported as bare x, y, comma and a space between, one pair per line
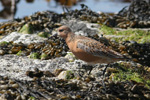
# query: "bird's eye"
61, 30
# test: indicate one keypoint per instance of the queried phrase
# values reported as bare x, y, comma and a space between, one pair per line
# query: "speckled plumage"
87, 49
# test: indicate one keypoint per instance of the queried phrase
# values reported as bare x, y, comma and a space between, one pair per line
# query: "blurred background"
10, 9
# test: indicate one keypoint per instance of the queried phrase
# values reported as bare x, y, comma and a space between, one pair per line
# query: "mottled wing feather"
97, 49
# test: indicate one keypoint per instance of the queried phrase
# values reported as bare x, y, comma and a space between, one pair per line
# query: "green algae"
108, 30
69, 75
43, 34
131, 73
32, 98
34, 55
140, 36
26, 29
4, 43
44, 56
19, 53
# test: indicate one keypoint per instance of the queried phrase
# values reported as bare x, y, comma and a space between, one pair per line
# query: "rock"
2, 97
62, 75
147, 96
15, 66
23, 38
66, 75
70, 56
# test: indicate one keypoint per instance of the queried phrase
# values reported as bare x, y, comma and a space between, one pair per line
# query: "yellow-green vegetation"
44, 34
108, 30
140, 36
69, 75
4, 43
26, 29
19, 53
34, 55
43, 56
131, 73
32, 98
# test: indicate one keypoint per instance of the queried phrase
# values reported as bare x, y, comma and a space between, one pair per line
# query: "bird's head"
63, 31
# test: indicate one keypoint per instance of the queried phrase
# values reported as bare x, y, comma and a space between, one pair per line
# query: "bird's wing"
97, 49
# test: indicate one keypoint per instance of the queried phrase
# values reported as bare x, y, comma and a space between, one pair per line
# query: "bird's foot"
104, 71
103, 84
87, 68
103, 78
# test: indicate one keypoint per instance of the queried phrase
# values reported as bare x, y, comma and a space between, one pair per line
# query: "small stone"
44, 56
66, 75
4, 87
15, 86
136, 95
70, 56
2, 52
58, 71
147, 95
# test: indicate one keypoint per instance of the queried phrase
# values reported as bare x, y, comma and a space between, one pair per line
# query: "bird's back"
88, 49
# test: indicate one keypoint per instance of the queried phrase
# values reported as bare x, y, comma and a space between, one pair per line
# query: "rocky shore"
35, 65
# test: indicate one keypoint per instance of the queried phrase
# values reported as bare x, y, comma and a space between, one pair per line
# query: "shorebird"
87, 49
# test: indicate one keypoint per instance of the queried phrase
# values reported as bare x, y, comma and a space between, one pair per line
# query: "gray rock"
24, 38
16, 66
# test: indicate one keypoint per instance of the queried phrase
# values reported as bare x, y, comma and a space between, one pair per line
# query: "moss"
32, 98
69, 75
148, 83
34, 55
108, 30
140, 36
130, 73
4, 43
43, 56
43, 34
27, 29
19, 53
70, 56
128, 76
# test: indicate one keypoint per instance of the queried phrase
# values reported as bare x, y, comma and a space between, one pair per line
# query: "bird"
87, 49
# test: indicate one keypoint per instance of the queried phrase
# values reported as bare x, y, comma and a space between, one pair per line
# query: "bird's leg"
103, 83
90, 69
104, 71
80, 74
87, 67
